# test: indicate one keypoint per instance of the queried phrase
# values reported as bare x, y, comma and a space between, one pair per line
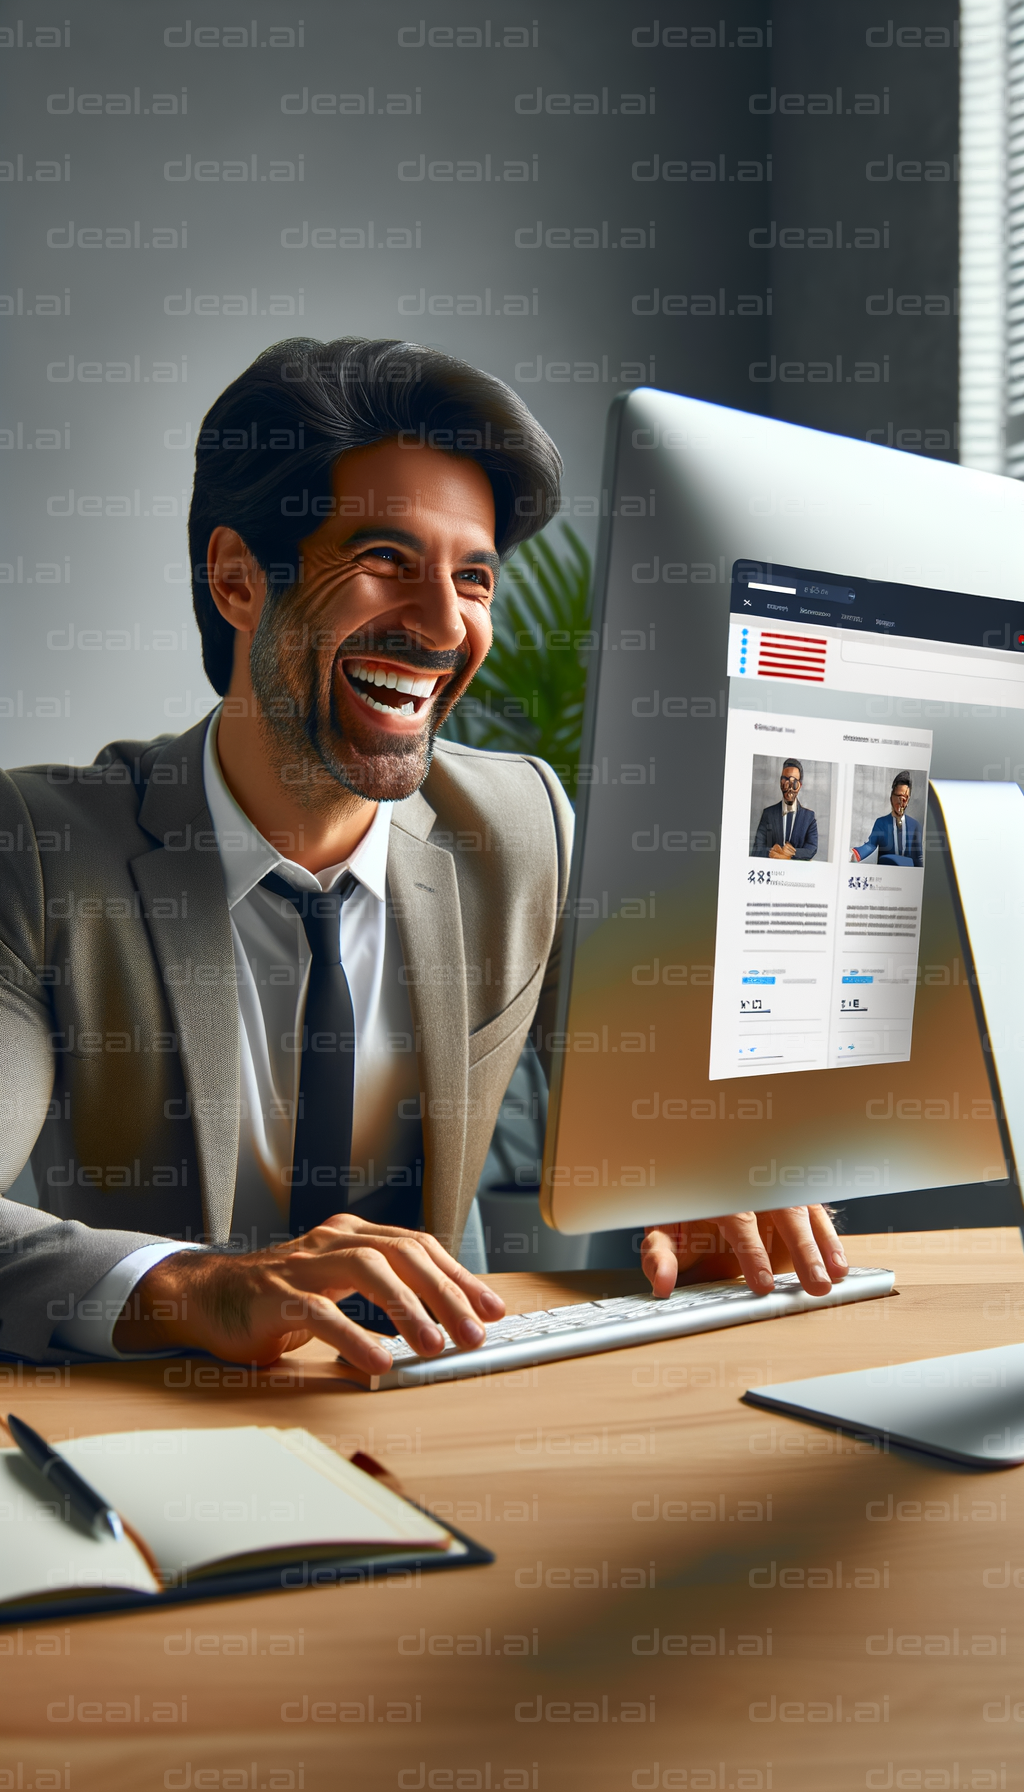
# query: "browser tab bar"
758, 588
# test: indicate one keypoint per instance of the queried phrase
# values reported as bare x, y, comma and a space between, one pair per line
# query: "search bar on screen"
950, 661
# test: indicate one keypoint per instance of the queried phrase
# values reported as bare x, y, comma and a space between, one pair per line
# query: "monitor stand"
969, 1407
984, 828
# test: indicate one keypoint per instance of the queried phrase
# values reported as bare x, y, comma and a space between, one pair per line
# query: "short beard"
312, 756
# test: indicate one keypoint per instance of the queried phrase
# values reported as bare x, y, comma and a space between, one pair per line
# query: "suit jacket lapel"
184, 865
424, 892
194, 950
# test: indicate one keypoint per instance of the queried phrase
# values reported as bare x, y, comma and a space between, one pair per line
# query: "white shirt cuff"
91, 1326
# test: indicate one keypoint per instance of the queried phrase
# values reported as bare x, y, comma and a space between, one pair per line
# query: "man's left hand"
753, 1244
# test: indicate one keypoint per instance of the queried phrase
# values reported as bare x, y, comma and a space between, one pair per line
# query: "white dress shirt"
272, 968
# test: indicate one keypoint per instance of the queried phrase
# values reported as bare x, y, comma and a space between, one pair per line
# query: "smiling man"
895, 837
259, 1010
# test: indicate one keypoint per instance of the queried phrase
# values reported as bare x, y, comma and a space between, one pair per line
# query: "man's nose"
430, 608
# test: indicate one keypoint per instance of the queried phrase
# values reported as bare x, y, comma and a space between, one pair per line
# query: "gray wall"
892, 172
361, 181
636, 174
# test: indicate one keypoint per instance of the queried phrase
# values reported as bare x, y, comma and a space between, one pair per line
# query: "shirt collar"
246, 856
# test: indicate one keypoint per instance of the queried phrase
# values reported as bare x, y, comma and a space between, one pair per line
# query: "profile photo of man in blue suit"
786, 829
897, 836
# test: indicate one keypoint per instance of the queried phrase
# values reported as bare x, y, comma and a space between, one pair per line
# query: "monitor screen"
767, 995
817, 947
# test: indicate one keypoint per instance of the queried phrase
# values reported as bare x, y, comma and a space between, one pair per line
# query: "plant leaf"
528, 695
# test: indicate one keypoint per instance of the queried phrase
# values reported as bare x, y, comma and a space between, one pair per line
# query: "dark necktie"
789, 825
323, 1128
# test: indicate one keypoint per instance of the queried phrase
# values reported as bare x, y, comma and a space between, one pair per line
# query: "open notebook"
207, 1514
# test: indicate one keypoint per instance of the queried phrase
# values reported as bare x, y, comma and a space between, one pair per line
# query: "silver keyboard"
585, 1327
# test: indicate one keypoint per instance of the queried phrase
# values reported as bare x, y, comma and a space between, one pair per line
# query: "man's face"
357, 667
790, 783
899, 799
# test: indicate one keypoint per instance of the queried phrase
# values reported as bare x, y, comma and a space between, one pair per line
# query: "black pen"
89, 1505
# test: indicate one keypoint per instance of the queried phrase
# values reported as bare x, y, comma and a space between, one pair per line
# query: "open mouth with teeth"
391, 691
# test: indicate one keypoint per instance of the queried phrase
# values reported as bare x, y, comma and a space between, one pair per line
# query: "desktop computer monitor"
776, 992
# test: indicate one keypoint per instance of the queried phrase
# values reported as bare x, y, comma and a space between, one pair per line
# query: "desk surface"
688, 1592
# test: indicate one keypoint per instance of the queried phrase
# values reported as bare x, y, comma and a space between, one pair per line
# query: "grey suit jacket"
118, 1009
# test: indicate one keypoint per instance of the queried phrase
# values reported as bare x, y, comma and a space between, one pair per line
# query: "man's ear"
238, 585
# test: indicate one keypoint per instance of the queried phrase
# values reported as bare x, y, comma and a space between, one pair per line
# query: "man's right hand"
251, 1308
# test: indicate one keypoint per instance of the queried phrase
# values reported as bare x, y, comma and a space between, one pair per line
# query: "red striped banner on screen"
792, 656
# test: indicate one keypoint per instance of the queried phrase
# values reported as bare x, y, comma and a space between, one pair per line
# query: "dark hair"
795, 762
902, 778
267, 445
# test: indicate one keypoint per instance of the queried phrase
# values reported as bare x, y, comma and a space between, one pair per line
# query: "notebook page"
202, 1496
40, 1552
375, 1495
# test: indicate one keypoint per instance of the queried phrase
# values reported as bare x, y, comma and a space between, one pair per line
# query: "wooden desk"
688, 1592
